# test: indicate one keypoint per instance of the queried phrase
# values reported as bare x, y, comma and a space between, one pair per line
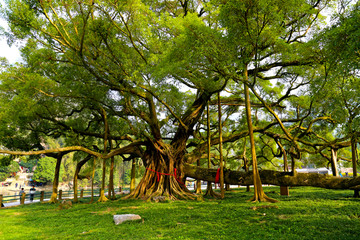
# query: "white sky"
11, 53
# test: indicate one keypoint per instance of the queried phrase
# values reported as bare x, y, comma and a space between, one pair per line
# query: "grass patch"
308, 213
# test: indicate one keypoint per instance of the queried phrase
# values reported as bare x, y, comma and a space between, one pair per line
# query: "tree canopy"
133, 78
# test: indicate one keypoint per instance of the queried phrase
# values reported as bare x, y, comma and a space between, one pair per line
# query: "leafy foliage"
45, 170
134, 79
7, 167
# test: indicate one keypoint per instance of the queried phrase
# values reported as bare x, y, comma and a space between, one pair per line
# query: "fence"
42, 195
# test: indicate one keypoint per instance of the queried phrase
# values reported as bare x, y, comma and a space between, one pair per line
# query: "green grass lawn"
308, 213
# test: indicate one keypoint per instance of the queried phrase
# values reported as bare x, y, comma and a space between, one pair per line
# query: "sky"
11, 53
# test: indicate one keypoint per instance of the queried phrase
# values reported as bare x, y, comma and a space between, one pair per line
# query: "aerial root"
212, 193
102, 196
172, 191
264, 198
53, 198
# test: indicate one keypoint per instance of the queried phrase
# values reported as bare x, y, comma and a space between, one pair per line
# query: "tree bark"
111, 190
222, 189
92, 181
246, 170
77, 171
275, 178
163, 175
198, 182
286, 167
354, 158
111, 193
334, 167
75, 181
209, 189
284, 190
53, 198
259, 194
283, 151
102, 197
163, 161
246, 165
293, 161
132, 176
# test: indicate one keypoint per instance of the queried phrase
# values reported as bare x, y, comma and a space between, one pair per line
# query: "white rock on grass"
118, 219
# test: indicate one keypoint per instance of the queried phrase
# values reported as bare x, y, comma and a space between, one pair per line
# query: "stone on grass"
118, 219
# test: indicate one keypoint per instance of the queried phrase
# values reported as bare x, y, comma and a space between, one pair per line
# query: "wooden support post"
284, 190
81, 193
22, 198
42, 194
60, 194
120, 189
1, 200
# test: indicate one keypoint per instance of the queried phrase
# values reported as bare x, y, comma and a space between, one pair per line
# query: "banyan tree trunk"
259, 194
293, 162
92, 181
246, 165
334, 167
275, 178
75, 181
162, 176
198, 182
111, 193
222, 189
163, 161
77, 171
111, 190
102, 197
354, 158
53, 198
209, 190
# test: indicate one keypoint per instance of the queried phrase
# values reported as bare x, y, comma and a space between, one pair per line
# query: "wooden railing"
42, 195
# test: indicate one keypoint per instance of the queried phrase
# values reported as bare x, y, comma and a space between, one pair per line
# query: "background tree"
340, 45
7, 167
44, 172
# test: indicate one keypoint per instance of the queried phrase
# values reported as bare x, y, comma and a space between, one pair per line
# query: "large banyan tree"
140, 74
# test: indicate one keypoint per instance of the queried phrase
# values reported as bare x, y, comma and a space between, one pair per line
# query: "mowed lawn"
308, 213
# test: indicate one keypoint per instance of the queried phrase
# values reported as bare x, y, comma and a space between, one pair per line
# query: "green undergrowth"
308, 213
